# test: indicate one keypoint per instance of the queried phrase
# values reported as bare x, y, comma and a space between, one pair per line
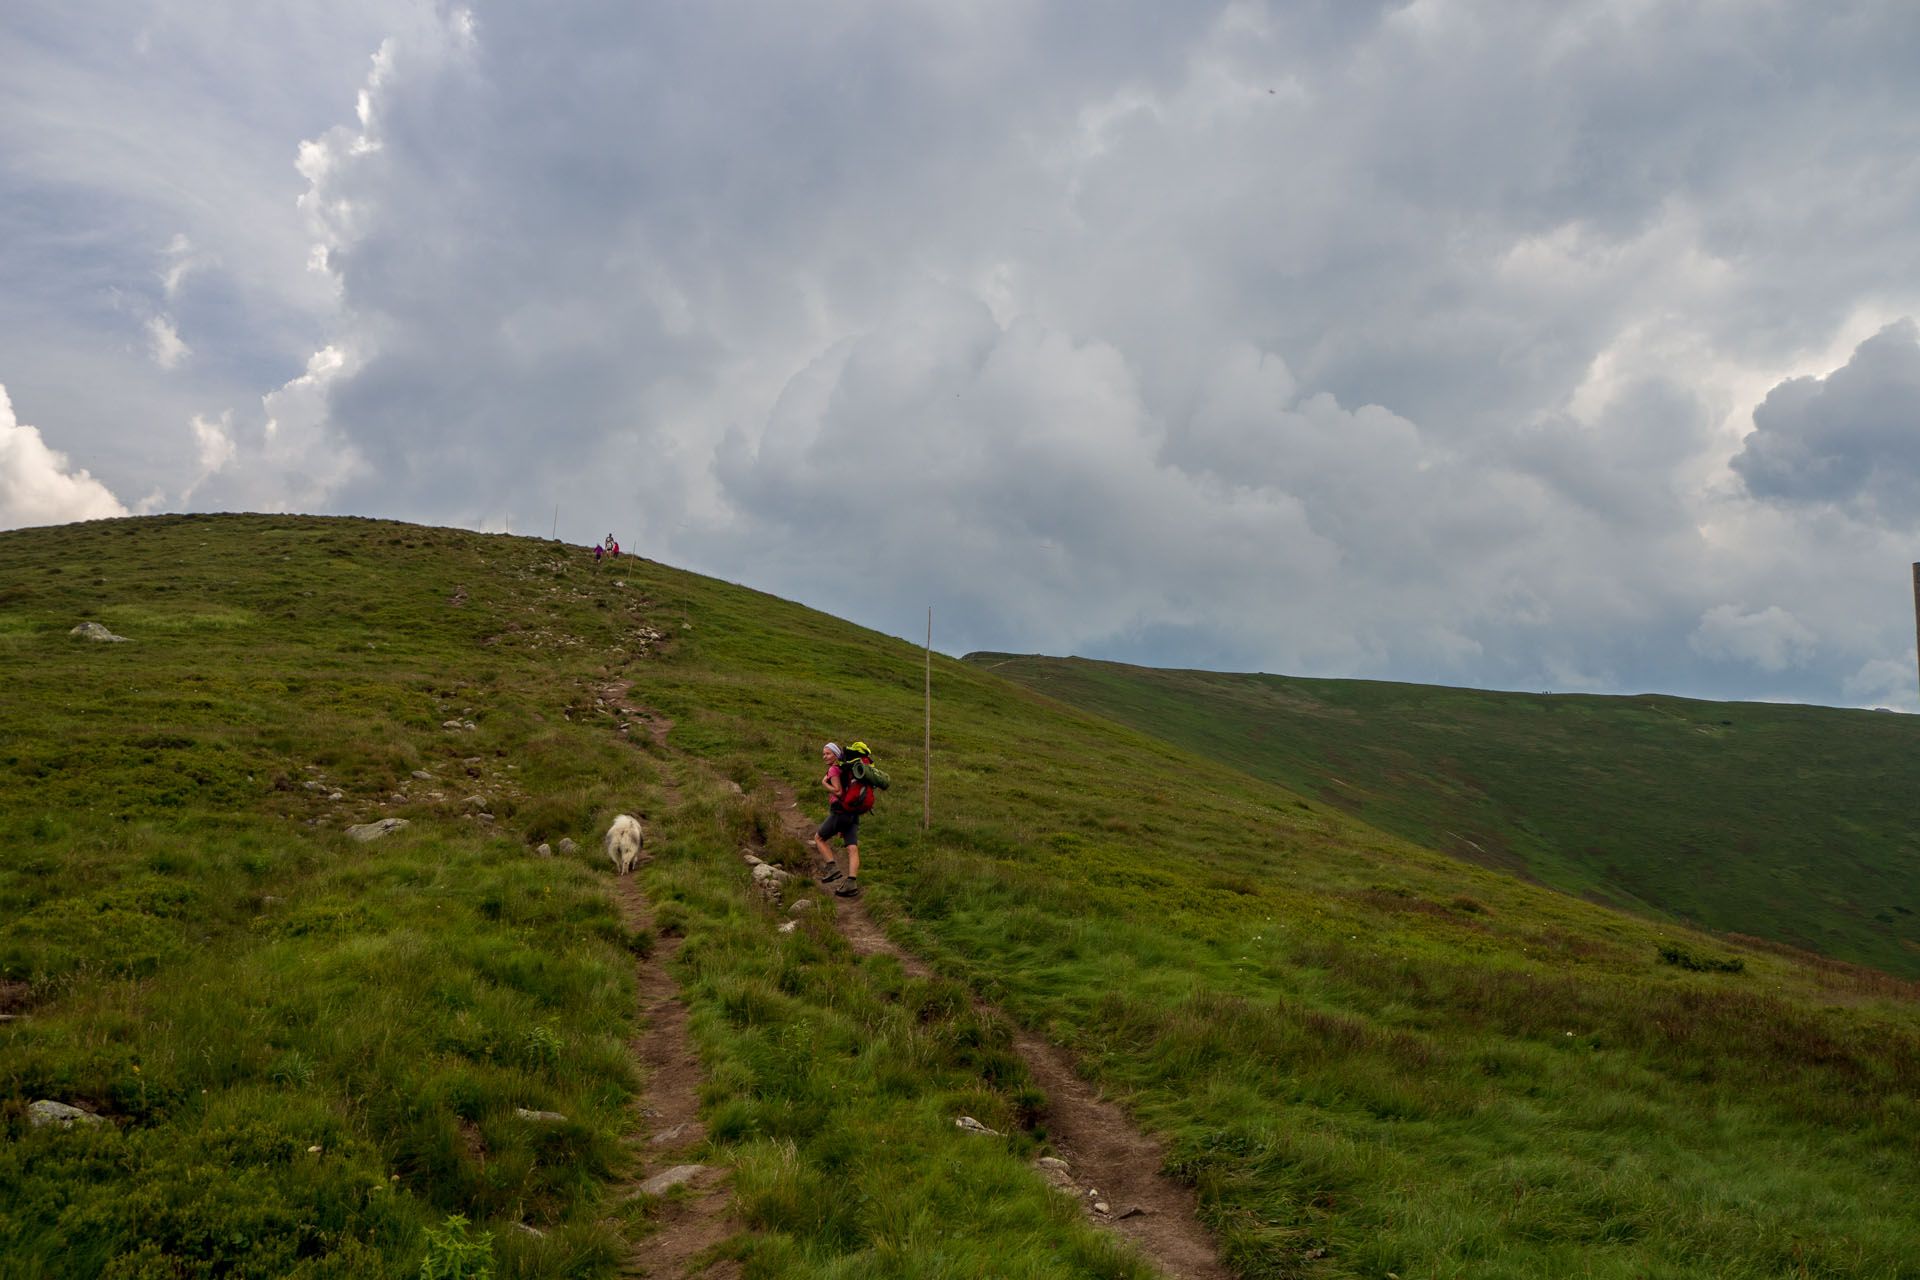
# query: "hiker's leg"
853, 861
821, 837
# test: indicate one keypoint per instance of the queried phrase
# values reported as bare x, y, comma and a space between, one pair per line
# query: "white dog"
624, 839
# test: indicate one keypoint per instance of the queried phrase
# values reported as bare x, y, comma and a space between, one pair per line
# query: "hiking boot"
833, 873
851, 889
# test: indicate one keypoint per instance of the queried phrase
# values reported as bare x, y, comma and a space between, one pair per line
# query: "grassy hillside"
1365, 1057
1792, 823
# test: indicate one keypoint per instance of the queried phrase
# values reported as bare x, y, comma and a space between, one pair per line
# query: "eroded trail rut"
1111, 1162
668, 1127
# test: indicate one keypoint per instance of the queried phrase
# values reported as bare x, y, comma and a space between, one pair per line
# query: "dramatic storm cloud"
1561, 347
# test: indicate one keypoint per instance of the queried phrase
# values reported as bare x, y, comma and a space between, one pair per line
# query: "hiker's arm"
832, 782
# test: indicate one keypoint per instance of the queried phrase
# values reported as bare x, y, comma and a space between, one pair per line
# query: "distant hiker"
598, 551
850, 781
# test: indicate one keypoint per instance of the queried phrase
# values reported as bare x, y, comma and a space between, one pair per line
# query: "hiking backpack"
860, 777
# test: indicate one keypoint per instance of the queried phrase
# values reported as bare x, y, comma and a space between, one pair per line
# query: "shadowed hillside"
1792, 823
311, 1055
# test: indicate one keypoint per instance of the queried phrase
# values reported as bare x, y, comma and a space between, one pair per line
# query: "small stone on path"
660, 1183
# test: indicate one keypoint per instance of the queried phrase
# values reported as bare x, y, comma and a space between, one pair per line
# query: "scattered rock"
660, 1183
449, 724
1139, 1211
337, 795
366, 831
43, 1113
567, 846
666, 1137
752, 859
545, 850
967, 1124
1055, 1171
475, 802
801, 907
1101, 1206
535, 1232
543, 1117
423, 775
770, 878
94, 631
788, 926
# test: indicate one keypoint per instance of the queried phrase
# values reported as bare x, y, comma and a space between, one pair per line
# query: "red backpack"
856, 788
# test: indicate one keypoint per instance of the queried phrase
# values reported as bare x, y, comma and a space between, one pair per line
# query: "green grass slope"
1366, 1058
1792, 823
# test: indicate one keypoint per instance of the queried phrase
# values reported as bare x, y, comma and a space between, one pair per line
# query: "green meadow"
1367, 1057
1791, 823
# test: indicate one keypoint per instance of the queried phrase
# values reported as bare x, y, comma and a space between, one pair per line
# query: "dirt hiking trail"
1112, 1167
668, 1126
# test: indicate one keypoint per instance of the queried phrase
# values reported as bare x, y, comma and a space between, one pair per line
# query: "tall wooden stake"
1916, 607
926, 805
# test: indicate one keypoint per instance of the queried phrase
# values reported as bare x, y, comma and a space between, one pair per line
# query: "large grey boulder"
43, 1113
94, 631
366, 831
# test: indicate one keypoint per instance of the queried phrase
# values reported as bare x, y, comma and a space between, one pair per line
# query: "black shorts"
838, 823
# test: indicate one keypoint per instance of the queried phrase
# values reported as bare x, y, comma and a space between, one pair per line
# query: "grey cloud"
1851, 438
1373, 339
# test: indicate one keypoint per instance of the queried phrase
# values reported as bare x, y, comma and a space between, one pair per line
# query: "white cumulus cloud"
39, 485
164, 343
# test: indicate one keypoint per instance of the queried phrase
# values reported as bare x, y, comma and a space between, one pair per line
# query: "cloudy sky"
1529, 346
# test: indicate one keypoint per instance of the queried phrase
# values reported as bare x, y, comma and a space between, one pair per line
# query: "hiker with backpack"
851, 780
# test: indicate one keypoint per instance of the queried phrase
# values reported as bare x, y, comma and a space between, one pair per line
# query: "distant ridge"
1791, 823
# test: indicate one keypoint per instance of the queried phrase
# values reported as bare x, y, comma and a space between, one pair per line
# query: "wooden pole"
1916, 607
926, 804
